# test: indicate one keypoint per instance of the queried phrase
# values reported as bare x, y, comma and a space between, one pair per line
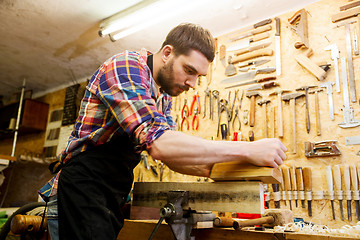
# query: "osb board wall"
322, 33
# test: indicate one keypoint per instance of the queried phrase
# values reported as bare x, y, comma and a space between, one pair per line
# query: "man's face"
180, 73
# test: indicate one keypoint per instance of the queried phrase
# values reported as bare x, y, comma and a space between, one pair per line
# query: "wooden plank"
131, 231
344, 15
244, 197
234, 171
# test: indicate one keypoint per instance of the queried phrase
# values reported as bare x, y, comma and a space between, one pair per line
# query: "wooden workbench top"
142, 229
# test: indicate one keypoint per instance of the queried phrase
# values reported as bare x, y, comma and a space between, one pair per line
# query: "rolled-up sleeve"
125, 88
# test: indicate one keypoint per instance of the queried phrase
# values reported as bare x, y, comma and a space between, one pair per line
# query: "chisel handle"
354, 179
329, 179
337, 177
299, 178
286, 177
293, 179
347, 177
254, 54
307, 178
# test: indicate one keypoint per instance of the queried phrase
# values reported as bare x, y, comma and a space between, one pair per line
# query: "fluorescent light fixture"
144, 15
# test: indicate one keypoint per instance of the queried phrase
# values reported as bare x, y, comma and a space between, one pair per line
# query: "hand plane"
299, 19
322, 149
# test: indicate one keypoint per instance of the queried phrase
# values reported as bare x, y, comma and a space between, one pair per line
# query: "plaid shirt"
121, 98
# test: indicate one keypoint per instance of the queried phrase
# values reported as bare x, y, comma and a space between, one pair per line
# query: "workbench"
142, 229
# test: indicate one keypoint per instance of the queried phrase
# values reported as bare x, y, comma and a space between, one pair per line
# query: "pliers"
195, 120
196, 99
185, 115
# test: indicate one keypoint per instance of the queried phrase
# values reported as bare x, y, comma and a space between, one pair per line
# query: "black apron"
93, 187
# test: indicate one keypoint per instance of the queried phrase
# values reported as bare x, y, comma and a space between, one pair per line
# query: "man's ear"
166, 52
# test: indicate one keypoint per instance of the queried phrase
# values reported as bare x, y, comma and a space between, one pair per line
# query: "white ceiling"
53, 44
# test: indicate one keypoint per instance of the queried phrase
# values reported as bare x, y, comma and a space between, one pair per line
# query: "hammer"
252, 95
306, 88
289, 97
264, 101
271, 218
317, 111
279, 94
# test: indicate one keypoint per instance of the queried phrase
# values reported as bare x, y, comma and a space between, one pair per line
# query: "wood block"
314, 69
234, 171
245, 197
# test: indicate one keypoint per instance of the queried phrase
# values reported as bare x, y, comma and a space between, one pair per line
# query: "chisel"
308, 187
293, 184
300, 185
329, 179
355, 188
337, 183
347, 191
277, 196
287, 183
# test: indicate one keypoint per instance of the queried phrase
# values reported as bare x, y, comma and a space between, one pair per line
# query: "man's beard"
166, 78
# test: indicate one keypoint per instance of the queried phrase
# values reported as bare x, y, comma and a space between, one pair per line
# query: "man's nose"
191, 81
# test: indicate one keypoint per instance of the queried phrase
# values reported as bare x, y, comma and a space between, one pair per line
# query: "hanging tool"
222, 53
304, 61
251, 82
329, 179
300, 185
348, 111
329, 91
251, 136
215, 95
355, 190
251, 49
317, 110
256, 25
287, 184
184, 115
264, 102
306, 89
350, 60
322, 149
350, 5
251, 55
246, 42
195, 103
222, 107
245, 66
224, 131
245, 115
237, 117
207, 98
252, 33
263, 86
339, 192
335, 57
294, 184
347, 191
230, 69
308, 187
247, 76
252, 96
346, 14
355, 42
280, 117
301, 28
195, 120
277, 47
291, 97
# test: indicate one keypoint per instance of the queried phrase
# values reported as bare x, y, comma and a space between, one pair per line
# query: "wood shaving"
315, 229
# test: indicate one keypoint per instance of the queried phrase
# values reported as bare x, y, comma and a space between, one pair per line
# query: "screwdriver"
223, 128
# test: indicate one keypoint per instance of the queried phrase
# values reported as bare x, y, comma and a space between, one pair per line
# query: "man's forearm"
175, 148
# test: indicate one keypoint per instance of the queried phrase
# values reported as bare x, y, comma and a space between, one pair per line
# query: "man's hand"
269, 152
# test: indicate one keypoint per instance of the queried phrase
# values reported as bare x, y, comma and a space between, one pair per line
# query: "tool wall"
320, 111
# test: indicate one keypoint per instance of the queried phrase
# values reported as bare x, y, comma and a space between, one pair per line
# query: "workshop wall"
321, 33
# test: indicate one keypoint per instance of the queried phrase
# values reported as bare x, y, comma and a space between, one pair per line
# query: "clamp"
181, 221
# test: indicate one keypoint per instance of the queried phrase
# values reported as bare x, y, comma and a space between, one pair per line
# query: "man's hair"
188, 36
